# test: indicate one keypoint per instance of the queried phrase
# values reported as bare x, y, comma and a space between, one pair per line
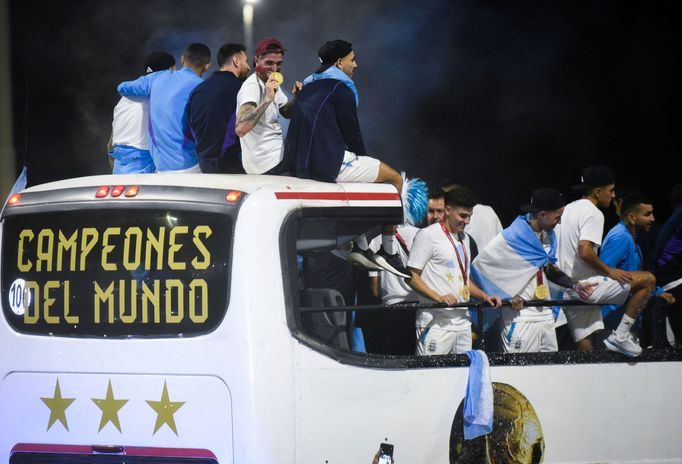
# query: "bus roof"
242, 182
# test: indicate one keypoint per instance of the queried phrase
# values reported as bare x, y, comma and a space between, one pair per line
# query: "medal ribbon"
539, 277
462, 267
402, 243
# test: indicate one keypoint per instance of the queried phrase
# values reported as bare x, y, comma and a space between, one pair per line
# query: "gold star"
58, 406
164, 410
110, 408
450, 277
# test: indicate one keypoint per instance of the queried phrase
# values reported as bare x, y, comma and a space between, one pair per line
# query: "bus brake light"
232, 196
117, 190
102, 192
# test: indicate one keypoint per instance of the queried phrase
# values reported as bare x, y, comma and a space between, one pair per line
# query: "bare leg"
391, 176
584, 345
641, 287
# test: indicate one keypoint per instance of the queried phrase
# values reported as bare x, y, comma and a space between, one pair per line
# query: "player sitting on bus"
324, 142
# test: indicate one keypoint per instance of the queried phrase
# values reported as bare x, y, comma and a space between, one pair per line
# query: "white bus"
159, 319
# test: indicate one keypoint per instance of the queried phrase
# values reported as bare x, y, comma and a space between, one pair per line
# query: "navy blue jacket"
324, 123
211, 110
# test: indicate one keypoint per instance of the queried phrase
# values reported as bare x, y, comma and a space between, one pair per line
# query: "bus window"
154, 272
316, 277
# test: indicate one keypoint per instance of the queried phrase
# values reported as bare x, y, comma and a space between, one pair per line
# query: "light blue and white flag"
478, 400
506, 265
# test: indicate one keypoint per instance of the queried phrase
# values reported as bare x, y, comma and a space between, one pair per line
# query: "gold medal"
466, 293
278, 77
541, 292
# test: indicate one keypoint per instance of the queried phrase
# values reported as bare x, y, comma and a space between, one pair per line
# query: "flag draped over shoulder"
506, 265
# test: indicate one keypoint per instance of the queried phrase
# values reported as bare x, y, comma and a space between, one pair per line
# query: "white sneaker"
391, 263
626, 345
363, 258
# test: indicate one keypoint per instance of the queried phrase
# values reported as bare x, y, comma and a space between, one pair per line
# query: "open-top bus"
161, 318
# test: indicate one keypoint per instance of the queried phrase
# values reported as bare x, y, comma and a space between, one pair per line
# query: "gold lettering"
32, 292
89, 238
26, 234
177, 285
106, 248
199, 284
175, 247
49, 301
135, 263
156, 243
67, 244
207, 232
67, 317
104, 296
153, 297
43, 254
130, 318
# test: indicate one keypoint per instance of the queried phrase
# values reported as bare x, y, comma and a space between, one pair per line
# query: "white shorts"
356, 168
529, 336
584, 320
436, 340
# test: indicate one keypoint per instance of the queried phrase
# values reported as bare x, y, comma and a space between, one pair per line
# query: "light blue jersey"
168, 91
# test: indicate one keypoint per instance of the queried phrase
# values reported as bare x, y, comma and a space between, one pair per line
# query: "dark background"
501, 96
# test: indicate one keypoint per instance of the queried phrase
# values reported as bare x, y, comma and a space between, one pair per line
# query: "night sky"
501, 96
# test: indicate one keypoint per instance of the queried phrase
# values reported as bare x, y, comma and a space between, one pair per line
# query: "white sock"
388, 243
361, 242
624, 326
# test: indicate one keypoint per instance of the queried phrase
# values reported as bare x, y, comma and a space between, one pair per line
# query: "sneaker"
626, 345
391, 263
363, 258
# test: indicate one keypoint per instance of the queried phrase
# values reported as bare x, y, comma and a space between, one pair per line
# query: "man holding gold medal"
439, 262
517, 264
260, 102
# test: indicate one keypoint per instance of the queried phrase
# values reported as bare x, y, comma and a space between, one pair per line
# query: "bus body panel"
88, 409
613, 412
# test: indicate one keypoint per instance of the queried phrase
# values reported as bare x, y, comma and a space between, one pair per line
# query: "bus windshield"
116, 272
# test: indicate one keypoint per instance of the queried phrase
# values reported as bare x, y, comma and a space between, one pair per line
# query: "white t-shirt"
483, 225
262, 145
433, 253
394, 289
581, 220
131, 123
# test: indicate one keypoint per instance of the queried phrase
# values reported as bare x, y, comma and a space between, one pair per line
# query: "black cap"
544, 199
595, 176
331, 51
158, 61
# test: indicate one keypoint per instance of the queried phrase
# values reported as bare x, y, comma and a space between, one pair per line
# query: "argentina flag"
506, 265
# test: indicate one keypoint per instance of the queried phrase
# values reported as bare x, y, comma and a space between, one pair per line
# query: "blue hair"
415, 196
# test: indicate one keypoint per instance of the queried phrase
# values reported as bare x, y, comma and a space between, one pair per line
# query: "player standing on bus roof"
324, 142
580, 237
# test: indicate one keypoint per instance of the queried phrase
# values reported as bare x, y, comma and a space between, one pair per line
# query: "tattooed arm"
250, 113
